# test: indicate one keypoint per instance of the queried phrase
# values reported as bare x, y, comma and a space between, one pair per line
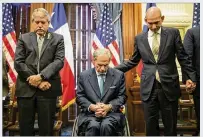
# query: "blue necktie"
101, 83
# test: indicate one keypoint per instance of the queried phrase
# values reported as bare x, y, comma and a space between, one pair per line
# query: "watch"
42, 76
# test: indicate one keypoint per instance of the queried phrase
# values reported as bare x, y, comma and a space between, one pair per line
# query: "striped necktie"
155, 51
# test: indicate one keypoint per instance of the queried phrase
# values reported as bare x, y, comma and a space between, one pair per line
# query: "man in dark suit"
159, 87
191, 44
39, 57
100, 94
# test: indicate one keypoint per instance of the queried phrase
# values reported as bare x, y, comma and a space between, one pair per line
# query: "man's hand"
103, 109
100, 112
34, 80
44, 85
94, 107
190, 86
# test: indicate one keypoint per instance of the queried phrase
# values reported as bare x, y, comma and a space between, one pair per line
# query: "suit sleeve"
121, 98
132, 62
81, 98
19, 62
188, 44
184, 59
58, 61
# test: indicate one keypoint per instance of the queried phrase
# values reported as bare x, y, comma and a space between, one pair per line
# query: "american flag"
105, 36
9, 40
196, 15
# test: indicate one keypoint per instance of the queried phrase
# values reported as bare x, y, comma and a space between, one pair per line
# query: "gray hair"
101, 51
46, 13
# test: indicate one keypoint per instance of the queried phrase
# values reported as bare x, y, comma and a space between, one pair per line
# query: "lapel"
162, 42
147, 46
47, 39
33, 37
108, 82
94, 82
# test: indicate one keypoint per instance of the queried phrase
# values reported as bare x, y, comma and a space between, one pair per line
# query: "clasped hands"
190, 86
100, 109
36, 81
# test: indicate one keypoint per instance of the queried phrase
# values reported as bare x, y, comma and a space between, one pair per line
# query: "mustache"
40, 30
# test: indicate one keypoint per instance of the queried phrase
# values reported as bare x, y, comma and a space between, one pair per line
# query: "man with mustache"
39, 57
160, 88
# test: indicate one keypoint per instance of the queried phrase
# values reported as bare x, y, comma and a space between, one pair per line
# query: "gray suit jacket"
51, 61
170, 47
88, 92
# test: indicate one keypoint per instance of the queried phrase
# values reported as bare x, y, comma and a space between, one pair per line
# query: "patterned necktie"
40, 41
101, 83
155, 46
155, 51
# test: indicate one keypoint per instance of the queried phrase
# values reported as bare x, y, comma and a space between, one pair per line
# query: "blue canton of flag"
7, 19
196, 15
105, 31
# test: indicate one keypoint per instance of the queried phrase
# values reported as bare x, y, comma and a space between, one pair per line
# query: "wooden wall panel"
132, 25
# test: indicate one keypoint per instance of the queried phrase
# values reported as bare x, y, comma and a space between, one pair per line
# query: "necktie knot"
155, 34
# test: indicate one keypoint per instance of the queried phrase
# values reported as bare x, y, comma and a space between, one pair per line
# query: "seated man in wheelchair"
100, 94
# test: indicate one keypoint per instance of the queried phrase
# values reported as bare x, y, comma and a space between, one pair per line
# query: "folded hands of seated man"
36, 81
100, 109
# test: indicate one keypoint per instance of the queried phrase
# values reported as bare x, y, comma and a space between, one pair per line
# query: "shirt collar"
150, 33
41, 36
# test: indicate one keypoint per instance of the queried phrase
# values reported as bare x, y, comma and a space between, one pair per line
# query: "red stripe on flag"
94, 45
113, 59
139, 68
8, 46
13, 35
114, 43
67, 79
12, 74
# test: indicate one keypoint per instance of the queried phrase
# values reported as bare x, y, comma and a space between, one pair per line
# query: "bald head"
153, 12
154, 18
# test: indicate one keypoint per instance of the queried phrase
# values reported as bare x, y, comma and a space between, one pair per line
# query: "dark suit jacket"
170, 47
191, 44
88, 92
51, 61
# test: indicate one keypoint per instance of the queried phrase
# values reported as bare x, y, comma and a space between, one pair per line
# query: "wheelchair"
124, 132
